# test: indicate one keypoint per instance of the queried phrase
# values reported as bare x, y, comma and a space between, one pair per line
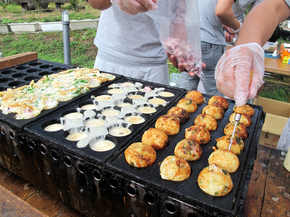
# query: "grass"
49, 45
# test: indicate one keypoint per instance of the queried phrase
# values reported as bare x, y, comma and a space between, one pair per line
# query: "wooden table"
268, 191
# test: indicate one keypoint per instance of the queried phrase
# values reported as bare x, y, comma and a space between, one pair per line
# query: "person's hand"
233, 72
229, 34
135, 6
180, 66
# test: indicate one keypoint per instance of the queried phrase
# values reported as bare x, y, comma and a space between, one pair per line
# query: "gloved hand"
182, 56
135, 6
232, 72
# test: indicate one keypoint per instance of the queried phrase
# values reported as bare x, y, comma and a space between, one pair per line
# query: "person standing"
128, 41
213, 45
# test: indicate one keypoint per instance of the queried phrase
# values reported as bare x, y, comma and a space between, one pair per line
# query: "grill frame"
96, 186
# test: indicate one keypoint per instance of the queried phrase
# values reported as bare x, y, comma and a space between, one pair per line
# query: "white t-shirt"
129, 45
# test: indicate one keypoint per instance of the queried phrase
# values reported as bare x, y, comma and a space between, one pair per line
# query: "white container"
25, 27
51, 26
82, 24
4, 28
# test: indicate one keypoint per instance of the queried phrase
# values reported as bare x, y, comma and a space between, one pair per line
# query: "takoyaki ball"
244, 109
215, 181
168, 124
219, 101
195, 96
187, 104
237, 144
175, 169
224, 159
241, 130
156, 138
188, 150
207, 121
140, 155
180, 113
197, 133
245, 119
215, 111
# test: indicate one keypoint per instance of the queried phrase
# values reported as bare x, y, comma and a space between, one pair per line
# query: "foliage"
5, 21
49, 46
276, 91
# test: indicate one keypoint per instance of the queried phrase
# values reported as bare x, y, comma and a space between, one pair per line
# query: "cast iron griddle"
37, 128
188, 190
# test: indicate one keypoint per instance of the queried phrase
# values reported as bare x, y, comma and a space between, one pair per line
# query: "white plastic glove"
232, 72
135, 6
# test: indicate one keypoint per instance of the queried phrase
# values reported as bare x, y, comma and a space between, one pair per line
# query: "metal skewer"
237, 119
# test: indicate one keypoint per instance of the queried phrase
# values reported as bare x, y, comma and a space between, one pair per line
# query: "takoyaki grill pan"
59, 137
77, 175
13, 154
188, 191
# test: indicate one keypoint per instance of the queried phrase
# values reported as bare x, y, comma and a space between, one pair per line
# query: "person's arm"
100, 4
240, 71
225, 14
262, 21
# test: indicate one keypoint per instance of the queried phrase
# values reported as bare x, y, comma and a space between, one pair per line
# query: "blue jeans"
211, 53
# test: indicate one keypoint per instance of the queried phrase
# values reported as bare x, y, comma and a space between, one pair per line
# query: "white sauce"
89, 107
110, 112
102, 145
127, 84
103, 98
53, 127
134, 119
157, 101
95, 123
123, 104
116, 90
120, 131
147, 110
166, 94
76, 136
135, 96
73, 115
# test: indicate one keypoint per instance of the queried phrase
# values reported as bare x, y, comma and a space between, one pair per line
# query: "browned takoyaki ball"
237, 144
241, 130
215, 181
224, 159
156, 138
187, 104
140, 155
175, 169
188, 150
245, 119
207, 121
215, 111
245, 109
198, 133
180, 113
195, 96
168, 124
219, 101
